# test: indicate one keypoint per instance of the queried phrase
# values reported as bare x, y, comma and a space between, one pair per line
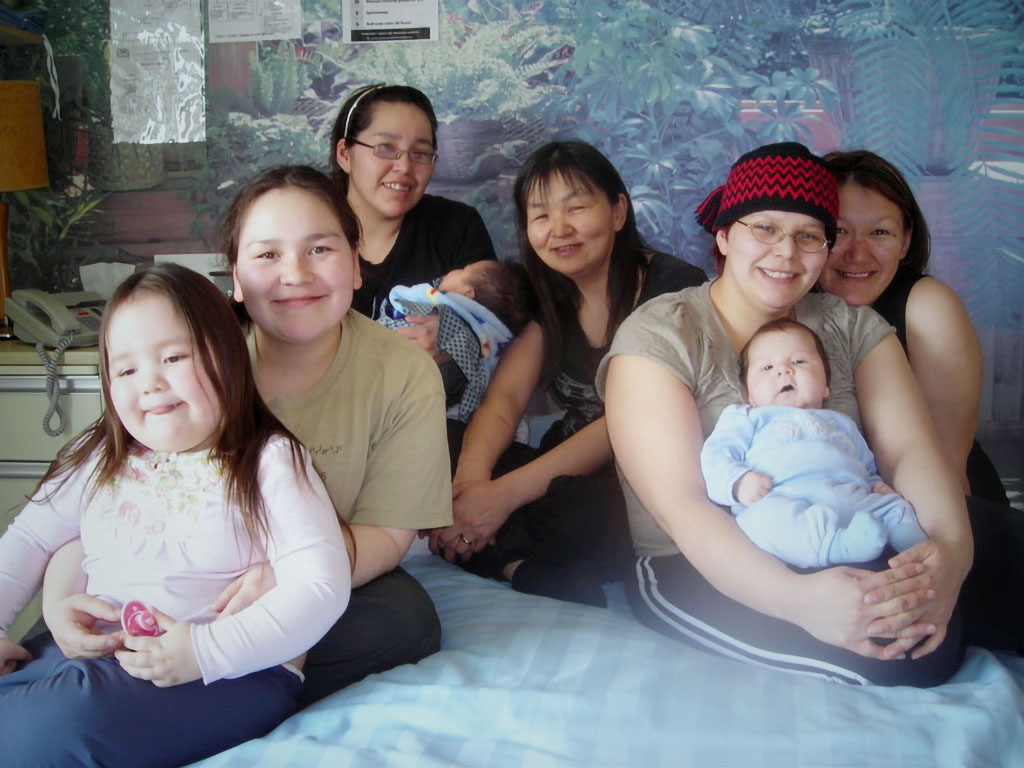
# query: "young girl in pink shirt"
186, 481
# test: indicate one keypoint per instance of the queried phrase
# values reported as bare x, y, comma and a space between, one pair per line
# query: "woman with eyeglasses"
383, 151
671, 371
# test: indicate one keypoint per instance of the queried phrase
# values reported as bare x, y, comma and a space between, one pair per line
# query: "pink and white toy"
138, 621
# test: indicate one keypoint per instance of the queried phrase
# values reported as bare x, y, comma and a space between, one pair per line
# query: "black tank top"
892, 304
981, 473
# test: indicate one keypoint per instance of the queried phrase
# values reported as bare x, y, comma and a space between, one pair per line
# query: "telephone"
50, 317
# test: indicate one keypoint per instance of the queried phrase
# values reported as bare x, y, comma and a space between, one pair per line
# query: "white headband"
352, 109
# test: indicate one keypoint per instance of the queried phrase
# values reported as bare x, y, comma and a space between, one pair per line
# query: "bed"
527, 681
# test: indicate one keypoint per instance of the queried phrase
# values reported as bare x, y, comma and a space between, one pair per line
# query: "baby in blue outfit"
482, 307
800, 480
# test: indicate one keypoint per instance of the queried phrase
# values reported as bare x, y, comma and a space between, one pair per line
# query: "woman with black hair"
553, 521
879, 259
383, 151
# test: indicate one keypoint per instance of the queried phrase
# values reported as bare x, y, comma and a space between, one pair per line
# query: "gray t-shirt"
682, 332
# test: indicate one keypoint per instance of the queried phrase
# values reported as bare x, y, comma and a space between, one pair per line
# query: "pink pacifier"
137, 621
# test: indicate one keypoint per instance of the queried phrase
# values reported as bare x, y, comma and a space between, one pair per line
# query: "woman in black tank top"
881, 251
879, 258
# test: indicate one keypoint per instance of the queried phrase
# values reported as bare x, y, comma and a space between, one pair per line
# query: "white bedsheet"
526, 681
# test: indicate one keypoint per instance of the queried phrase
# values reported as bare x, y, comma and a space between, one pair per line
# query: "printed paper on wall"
157, 78
389, 21
233, 21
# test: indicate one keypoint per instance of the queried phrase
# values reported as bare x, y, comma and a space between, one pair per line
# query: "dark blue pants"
389, 621
996, 580
62, 712
670, 596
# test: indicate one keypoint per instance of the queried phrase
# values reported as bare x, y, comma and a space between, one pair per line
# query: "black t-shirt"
573, 384
436, 236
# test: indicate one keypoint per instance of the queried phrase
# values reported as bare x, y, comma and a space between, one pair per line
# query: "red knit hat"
775, 177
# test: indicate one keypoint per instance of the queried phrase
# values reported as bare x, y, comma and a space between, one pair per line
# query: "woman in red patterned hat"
672, 369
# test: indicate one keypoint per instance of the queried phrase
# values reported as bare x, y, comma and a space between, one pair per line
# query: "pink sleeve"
39, 530
311, 566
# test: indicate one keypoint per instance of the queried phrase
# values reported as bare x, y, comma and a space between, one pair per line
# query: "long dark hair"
580, 166
219, 345
879, 175
356, 114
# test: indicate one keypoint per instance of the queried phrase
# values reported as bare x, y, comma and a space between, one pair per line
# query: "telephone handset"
51, 317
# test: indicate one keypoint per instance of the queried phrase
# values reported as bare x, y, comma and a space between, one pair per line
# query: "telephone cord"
50, 363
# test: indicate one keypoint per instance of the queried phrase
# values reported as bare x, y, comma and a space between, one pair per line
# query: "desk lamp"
22, 163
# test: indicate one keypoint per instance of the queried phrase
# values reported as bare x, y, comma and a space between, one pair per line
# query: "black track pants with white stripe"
670, 596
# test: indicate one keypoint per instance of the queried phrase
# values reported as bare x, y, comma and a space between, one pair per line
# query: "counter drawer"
23, 403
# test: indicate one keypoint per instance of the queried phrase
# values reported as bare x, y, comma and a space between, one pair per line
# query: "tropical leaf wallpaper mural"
671, 90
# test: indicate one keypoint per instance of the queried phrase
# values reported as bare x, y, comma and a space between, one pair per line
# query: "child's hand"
883, 488
11, 655
165, 660
72, 622
752, 486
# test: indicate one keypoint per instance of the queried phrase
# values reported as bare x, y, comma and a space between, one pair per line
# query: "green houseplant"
50, 234
672, 92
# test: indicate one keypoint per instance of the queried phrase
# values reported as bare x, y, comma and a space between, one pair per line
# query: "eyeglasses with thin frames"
387, 151
771, 234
